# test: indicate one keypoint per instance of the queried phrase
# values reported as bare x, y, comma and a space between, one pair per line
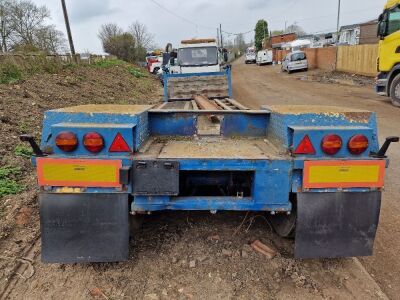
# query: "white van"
264, 57
250, 55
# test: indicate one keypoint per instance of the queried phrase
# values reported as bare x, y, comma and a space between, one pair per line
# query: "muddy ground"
190, 255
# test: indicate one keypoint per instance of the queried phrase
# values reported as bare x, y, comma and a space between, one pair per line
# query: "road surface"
255, 86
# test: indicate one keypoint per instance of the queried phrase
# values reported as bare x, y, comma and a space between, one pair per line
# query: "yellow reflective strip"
328, 174
79, 172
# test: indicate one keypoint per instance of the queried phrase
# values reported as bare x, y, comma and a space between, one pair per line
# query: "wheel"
288, 71
156, 70
135, 224
284, 225
395, 91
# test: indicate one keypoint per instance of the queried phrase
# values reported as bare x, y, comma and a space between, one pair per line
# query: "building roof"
283, 34
350, 27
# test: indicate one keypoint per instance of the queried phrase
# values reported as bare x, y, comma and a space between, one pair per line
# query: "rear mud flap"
84, 227
333, 225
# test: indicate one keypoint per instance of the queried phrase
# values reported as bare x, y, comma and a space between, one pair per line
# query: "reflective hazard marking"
78, 172
344, 174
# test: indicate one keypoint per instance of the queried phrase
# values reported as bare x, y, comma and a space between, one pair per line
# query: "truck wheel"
395, 91
285, 225
135, 224
155, 70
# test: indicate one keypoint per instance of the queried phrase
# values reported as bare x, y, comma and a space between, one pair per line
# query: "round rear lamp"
331, 144
66, 141
358, 144
93, 142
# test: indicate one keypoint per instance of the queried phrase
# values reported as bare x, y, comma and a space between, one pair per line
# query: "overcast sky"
200, 18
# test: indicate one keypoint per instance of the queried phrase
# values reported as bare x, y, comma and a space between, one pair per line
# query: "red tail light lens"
331, 144
358, 144
67, 141
93, 142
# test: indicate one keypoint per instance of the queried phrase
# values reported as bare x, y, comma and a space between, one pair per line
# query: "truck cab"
388, 79
198, 56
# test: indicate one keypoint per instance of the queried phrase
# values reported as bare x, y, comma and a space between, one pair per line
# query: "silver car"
294, 61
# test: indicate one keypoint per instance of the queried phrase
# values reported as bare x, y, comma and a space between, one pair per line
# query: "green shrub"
8, 184
23, 151
135, 72
10, 72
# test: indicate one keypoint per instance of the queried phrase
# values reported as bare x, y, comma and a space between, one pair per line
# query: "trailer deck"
210, 148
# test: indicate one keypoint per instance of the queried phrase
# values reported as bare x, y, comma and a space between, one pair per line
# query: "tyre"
135, 224
395, 91
288, 71
156, 70
285, 225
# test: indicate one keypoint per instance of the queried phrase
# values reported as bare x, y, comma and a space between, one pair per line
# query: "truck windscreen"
204, 56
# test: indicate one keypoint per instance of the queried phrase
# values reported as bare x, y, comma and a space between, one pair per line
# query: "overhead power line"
181, 17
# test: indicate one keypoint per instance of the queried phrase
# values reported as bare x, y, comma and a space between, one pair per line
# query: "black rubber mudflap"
84, 227
333, 225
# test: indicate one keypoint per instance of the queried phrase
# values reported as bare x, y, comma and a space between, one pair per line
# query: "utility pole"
337, 35
71, 42
338, 21
218, 37
220, 32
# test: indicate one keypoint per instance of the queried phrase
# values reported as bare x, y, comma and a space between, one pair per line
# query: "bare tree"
50, 40
122, 46
144, 40
26, 20
108, 31
294, 28
5, 20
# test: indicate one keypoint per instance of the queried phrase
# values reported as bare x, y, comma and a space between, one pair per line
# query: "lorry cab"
388, 80
296, 60
198, 56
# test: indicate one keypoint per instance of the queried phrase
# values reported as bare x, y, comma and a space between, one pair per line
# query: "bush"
8, 184
10, 72
23, 151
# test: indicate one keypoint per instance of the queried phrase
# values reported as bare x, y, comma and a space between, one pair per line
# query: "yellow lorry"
388, 79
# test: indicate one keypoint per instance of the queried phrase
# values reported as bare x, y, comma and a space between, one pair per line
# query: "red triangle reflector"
119, 144
305, 146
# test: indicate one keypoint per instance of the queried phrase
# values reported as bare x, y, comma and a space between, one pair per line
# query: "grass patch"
8, 183
23, 151
108, 63
135, 72
10, 72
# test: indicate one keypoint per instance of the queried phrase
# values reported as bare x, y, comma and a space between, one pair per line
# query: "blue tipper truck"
317, 172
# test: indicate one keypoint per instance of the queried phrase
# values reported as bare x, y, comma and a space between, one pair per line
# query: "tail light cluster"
92, 141
332, 143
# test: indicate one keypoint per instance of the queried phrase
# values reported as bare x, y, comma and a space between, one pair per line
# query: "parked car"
295, 61
264, 57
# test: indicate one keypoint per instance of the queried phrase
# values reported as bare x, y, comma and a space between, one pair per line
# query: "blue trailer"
317, 172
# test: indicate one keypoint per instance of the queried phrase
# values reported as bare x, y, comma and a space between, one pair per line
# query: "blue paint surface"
274, 179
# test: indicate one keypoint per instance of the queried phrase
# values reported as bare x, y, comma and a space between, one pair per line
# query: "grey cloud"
81, 11
256, 4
